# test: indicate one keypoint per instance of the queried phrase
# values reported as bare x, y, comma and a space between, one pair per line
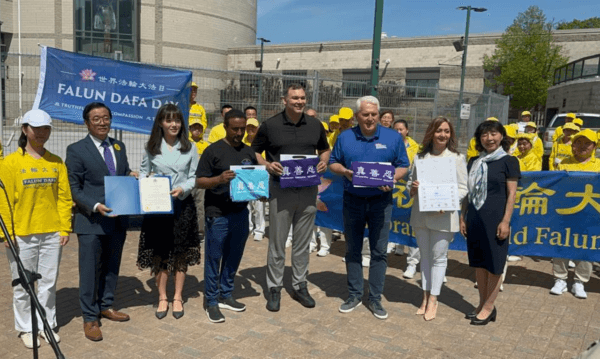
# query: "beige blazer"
443, 222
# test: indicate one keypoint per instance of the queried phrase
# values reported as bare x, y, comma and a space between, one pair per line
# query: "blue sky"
293, 21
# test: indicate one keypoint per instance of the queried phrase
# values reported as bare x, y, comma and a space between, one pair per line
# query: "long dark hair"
168, 110
487, 126
23, 138
427, 146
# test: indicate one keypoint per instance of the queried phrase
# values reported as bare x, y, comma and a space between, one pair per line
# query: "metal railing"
416, 105
580, 69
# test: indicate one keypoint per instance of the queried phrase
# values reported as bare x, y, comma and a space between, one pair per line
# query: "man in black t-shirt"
226, 221
290, 132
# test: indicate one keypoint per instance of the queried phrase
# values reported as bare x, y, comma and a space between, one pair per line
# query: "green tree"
524, 60
591, 23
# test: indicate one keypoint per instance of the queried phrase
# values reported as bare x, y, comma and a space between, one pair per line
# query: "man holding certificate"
291, 134
379, 157
101, 236
226, 221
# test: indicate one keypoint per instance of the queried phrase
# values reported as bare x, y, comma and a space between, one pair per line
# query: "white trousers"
256, 214
41, 254
414, 256
433, 246
324, 236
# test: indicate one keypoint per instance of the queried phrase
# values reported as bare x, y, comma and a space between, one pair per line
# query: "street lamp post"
464, 57
262, 51
375, 53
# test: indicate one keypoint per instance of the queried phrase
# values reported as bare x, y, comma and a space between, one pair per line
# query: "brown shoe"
113, 315
92, 331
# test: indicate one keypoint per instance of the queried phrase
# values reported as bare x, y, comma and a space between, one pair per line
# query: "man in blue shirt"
367, 142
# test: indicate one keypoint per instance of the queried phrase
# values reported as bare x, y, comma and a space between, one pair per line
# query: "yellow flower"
117, 147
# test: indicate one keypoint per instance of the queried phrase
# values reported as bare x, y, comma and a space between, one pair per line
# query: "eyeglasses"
98, 119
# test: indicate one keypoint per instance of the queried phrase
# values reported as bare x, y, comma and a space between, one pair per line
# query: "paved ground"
531, 323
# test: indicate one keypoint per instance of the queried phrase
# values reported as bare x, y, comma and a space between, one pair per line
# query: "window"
356, 82
107, 28
421, 82
286, 81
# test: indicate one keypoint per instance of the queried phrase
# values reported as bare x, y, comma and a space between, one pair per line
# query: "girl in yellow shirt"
561, 149
39, 202
528, 160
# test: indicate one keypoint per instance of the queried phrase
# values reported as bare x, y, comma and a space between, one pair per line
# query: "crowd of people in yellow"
32, 172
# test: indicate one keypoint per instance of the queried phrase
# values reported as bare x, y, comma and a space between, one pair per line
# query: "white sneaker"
445, 279
560, 286
258, 237
410, 271
366, 262
343, 259
502, 287
399, 250
56, 337
572, 264
578, 290
27, 339
322, 253
391, 247
514, 258
288, 243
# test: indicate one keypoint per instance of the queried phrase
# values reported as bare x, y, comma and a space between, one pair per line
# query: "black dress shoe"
471, 315
490, 318
178, 315
274, 299
302, 296
161, 315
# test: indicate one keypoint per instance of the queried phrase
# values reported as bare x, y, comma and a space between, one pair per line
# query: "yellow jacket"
200, 146
560, 151
571, 164
197, 111
38, 192
412, 149
557, 133
332, 137
530, 162
217, 133
537, 149
471, 151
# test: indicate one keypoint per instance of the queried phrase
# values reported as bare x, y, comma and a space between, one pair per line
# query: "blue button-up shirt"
385, 146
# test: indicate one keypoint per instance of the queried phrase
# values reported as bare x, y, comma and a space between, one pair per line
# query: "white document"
155, 194
438, 184
295, 157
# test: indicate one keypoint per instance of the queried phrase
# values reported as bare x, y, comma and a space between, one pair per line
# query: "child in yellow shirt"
197, 126
561, 149
39, 202
584, 146
528, 160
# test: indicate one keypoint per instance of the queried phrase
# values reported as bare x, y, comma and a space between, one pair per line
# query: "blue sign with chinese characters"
250, 183
556, 214
301, 172
372, 174
133, 92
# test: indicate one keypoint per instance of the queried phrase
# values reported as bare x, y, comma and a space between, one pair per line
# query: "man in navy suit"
101, 236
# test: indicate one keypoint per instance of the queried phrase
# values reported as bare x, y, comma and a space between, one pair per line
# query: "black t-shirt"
277, 136
216, 159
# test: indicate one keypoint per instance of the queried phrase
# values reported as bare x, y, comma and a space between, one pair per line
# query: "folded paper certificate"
438, 184
372, 174
299, 171
126, 195
250, 183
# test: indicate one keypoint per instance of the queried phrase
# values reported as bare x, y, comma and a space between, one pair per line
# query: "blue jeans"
224, 246
376, 212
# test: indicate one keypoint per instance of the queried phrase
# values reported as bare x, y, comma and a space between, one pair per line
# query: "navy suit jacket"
87, 169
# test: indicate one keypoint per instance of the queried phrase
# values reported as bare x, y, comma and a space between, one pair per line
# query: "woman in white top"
435, 230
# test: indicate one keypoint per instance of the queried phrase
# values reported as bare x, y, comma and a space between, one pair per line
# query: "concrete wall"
575, 96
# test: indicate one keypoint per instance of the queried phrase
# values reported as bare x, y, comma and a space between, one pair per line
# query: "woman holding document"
435, 229
486, 213
170, 243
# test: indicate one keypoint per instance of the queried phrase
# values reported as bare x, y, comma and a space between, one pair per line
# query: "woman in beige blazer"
435, 230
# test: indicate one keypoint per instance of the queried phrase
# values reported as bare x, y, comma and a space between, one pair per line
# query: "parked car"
590, 120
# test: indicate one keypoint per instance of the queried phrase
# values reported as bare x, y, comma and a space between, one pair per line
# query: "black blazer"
87, 169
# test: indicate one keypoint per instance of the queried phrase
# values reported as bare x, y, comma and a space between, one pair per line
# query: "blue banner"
133, 92
556, 214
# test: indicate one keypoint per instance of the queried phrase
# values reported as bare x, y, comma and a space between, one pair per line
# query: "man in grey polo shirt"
290, 132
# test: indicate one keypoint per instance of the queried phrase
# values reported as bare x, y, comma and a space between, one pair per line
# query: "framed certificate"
127, 195
438, 184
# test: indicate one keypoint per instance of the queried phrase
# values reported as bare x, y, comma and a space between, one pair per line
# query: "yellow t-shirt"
560, 151
38, 192
412, 149
197, 111
217, 133
530, 162
571, 164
